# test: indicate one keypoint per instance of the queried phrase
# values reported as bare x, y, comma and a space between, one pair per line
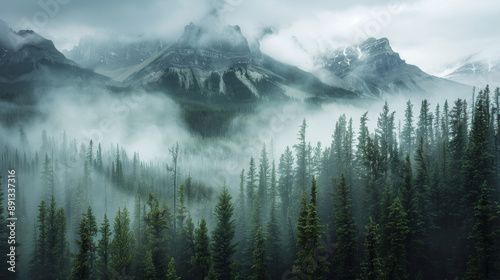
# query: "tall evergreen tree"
82, 263
202, 261
260, 258
286, 180
103, 250
157, 224
396, 231
481, 262
274, 245
345, 264
171, 273
408, 137
40, 252
371, 268
122, 245
310, 262
301, 152
223, 235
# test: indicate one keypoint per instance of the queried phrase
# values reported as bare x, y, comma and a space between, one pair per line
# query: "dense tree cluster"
420, 202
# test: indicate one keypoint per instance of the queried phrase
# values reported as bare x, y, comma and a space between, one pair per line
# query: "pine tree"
171, 274
396, 231
264, 176
157, 224
301, 151
345, 264
274, 245
310, 262
62, 247
187, 247
121, 247
409, 200
260, 258
371, 268
223, 234
103, 250
202, 261
48, 178
149, 268
251, 179
82, 264
408, 138
286, 180
481, 262
41, 250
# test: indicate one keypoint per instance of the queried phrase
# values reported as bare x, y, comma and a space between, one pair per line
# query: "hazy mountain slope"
373, 69
216, 63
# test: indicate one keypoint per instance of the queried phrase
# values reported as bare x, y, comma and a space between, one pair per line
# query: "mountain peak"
376, 46
215, 38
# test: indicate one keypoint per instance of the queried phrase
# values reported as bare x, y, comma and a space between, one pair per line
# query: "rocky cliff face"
374, 69
110, 56
26, 56
216, 62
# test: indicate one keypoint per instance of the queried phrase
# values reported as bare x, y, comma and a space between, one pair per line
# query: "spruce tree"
396, 231
171, 274
149, 268
345, 264
61, 249
371, 268
202, 261
157, 238
187, 247
310, 262
103, 250
274, 245
82, 263
481, 263
223, 234
122, 245
41, 251
260, 258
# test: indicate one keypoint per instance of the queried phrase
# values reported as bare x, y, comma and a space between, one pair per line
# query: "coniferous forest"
412, 198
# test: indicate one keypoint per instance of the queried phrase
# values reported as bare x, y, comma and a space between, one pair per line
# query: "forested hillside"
415, 198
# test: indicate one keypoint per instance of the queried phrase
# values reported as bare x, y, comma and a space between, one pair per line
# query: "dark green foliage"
222, 236
345, 263
156, 234
301, 151
202, 261
235, 271
480, 264
171, 274
310, 262
149, 268
187, 247
122, 245
103, 250
260, 258
396, 232
39, 266
371, 268
274, 245
82, 263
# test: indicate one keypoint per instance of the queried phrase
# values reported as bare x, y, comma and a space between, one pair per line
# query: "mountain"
113, 58
25, 56
373, 69
216, 62
477, 70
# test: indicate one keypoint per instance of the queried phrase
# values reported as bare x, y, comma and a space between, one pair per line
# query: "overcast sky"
426, 33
